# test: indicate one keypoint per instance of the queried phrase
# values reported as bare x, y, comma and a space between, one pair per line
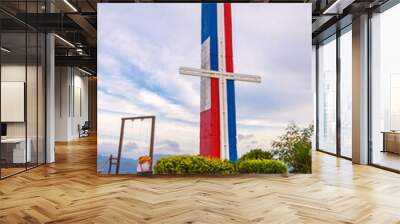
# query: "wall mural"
250, 109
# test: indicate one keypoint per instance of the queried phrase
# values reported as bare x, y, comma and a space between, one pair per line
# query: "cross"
222, 76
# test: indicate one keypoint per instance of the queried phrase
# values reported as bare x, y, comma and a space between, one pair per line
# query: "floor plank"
70, 191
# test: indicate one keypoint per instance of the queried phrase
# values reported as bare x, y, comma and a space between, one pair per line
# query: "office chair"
84, 130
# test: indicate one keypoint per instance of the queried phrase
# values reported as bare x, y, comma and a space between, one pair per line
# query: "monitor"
3, 129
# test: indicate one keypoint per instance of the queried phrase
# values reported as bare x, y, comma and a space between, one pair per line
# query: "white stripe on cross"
219, 75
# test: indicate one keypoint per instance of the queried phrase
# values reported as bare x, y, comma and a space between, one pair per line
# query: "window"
327, 96
346, 93
385, 89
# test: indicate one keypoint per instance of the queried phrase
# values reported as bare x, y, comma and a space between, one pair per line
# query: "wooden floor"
5, 172
387, 159
70, 191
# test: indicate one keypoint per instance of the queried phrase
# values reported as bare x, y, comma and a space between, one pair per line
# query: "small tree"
294, 147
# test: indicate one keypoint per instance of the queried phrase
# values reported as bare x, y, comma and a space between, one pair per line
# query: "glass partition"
14, 153
41, 96
23, 91
32, 95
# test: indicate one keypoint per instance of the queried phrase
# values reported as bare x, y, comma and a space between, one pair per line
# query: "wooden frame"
121, 138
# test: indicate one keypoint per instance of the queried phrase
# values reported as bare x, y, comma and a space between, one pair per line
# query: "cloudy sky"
141, 46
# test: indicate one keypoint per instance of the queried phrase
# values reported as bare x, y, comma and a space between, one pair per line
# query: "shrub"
266, 166
301, 158
257, 154
294, 148
192, 165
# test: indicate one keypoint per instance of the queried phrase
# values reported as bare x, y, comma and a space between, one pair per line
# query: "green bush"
257, 154
192, 165
294, 148
261, 166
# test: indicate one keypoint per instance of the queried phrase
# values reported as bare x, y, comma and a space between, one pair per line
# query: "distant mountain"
128, 166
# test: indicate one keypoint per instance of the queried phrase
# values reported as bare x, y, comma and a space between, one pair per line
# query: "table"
391, 141
13, 150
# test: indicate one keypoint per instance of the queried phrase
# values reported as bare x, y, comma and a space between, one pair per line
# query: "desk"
13, 150
391, 141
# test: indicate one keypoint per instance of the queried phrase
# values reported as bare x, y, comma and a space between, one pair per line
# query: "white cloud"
161, 57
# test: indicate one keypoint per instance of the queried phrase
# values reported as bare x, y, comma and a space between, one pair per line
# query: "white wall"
62, 82
14, 73
17, 73
9, 73
33, 127
71, 102
80, 109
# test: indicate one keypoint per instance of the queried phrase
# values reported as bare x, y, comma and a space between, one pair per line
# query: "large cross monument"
217, 96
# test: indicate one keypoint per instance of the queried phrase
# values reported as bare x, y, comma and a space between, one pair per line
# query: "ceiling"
75, 22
